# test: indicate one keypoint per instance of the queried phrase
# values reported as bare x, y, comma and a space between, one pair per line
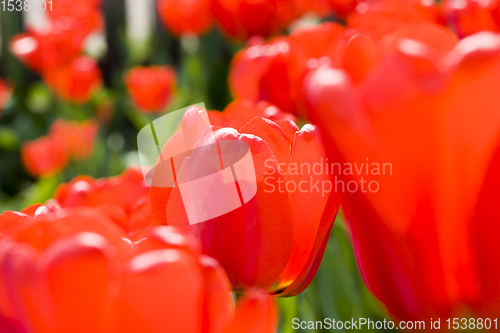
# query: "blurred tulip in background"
151, 88
424, 240
44, 156
183, 17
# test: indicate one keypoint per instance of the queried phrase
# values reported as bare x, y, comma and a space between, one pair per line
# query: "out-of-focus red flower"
324, 7
242, 19
87, 13
73, 270
256, 312
66, 140
50, 47
275, 240
240, 112
78, 138
274, 72
342, 7
105, 110
426, 233
151, 88
319, 7
44, 156
470, 16
124, 199
380, 17
182, 17
5, 94
76, 81
357, 51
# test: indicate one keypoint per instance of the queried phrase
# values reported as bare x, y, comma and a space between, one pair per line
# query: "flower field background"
386, 80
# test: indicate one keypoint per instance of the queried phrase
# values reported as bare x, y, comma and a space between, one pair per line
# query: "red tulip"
151, 88
242, 19
124, 199
426, 236
470, 16
77, 81
66, 140
182, 17
73, 270
44, 156
274, 72
87, 13
380, 17
51, 47
276, 239
78, 138
357, 51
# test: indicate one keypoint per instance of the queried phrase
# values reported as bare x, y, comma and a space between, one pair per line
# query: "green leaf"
41, 191
288, 308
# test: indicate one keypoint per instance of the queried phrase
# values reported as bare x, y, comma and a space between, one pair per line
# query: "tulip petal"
219, 308
314, 205
423, 120
240, 112
273, 135
162, 292
289, 127
79, 277
255, 313
70, 222
11, 223
22, 291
